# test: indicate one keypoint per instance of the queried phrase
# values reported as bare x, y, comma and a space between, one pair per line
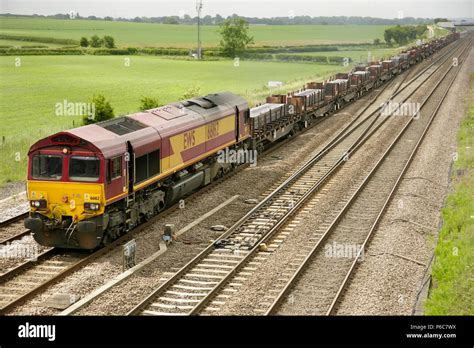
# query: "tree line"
107, 41
218, 19
403, 34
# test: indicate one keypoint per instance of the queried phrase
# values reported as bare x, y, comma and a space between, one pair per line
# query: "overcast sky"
253, 8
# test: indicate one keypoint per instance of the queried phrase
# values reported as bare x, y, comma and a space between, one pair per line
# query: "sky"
248, 8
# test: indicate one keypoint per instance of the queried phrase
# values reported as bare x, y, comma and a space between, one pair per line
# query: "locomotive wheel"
220, 174
107, 239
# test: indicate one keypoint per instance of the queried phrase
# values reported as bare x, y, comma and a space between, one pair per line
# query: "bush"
112, 51
132, 50
165, 51
39, 52
84, 42
103, 110
148, 103
95, 41
377, 41
108, 41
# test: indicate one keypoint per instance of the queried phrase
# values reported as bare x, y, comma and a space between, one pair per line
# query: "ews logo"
213, 130
189, 139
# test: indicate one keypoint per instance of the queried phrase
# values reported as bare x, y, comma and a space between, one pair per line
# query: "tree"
171, 20
377, 41
84, 42
95, 41
235, 36
148, 103
387, 35
102, 110
108, 41
398, 35
403, 34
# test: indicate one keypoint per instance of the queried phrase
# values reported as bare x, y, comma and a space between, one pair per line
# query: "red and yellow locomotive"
89, 185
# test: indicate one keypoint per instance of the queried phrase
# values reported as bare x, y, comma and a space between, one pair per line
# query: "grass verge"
453, 270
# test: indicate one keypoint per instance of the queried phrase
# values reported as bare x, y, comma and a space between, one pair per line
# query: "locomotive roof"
145, 129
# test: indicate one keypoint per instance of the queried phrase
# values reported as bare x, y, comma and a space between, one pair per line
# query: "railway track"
14, 219
330, 275
14, 237
12, 223
200, 283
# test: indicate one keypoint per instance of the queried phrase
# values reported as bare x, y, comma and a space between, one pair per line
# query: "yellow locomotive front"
65, 189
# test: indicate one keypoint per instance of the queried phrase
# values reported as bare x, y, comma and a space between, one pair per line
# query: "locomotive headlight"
91, 206
39, 204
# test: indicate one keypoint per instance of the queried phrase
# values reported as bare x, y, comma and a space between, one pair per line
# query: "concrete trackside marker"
85, 300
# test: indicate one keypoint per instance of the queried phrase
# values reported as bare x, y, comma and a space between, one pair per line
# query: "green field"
29, 93
165, 35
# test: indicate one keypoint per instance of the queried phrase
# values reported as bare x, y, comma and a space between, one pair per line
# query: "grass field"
17, 43
453, 269
146, 34
29, 93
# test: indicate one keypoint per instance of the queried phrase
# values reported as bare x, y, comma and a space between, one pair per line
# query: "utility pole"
198, 9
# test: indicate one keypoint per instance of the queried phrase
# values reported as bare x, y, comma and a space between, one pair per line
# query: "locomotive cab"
66, 192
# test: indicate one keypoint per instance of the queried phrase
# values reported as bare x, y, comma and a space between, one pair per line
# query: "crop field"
30, 93
166, 35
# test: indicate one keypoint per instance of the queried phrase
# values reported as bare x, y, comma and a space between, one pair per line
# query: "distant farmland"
166, 35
